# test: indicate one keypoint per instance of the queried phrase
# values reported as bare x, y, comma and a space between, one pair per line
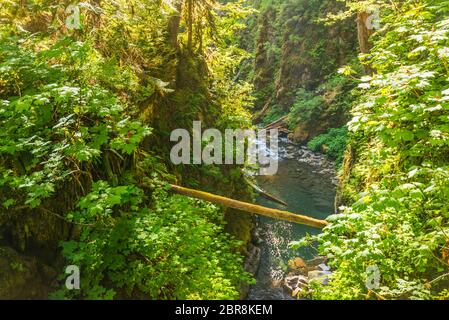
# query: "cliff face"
295, 51
267, 54
310, 50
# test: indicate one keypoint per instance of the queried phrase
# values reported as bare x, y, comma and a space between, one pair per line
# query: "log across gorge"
250, 208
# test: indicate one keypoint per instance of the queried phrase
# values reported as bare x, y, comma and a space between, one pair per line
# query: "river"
306, 182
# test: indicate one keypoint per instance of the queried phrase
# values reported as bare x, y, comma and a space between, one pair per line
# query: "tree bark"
190, 24
266, 194
173, 25
250, 208
364, 33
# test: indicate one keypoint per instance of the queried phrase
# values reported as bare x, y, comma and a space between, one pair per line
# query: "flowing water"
306, 182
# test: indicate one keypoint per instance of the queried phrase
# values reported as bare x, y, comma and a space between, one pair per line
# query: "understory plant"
75, 147
395, 219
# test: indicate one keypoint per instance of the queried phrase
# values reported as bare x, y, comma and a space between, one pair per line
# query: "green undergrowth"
333, 143
76, 145
389, 239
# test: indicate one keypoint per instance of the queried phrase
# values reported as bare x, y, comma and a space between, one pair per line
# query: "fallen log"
266, 194
250, 208
279, 123
285, 130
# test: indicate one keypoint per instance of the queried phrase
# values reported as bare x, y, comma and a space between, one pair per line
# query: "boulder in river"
253, 260
314, 263
301, 273
294, 283
298, 266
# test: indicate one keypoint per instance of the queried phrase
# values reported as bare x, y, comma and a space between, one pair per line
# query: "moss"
267, 56
22, 277
295, 51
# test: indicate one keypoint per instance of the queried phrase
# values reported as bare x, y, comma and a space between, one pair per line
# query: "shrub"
333, 143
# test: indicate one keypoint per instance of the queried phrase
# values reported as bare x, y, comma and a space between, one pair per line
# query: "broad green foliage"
74, 145
275, 113
333, 143
232, 95
307, 107
52, 129
177, 250
293, 49
329, 102
399, 165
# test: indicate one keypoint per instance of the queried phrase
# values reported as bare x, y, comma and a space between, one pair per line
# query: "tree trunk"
190, 24
266, 194
173, 25
250, 208
364, 34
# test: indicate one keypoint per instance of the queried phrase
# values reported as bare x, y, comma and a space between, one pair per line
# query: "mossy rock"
23, 277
